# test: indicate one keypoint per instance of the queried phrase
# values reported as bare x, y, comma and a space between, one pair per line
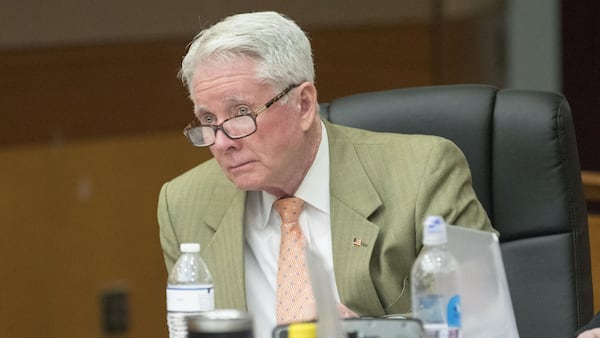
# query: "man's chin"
245, 182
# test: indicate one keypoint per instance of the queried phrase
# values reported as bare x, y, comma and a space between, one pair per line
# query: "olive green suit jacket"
382, 187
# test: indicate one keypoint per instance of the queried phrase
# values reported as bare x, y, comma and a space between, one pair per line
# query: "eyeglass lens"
236, 127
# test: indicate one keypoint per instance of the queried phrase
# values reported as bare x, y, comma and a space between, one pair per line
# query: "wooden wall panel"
72, 93
591, 189
91, 91
79, 219
365, 59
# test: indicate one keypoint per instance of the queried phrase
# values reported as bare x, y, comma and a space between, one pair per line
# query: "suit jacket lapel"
353, 200
226, 247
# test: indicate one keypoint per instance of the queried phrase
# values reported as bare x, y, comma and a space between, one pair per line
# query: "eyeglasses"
236, 127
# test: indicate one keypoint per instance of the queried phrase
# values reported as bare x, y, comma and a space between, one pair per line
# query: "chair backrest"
522, 152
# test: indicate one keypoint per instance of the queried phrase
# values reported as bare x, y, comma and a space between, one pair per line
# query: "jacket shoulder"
197, 185
386, 141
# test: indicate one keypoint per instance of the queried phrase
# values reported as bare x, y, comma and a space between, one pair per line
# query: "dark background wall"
581, 74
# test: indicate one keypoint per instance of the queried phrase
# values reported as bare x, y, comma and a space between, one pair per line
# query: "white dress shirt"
262, 235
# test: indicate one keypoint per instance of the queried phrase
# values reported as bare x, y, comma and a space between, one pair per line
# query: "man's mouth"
239, 165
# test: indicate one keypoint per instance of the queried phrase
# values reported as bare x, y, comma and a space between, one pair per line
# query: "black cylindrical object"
223, 323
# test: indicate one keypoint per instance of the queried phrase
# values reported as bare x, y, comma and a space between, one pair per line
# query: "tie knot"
289, 209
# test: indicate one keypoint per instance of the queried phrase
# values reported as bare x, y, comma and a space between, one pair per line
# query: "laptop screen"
486, 305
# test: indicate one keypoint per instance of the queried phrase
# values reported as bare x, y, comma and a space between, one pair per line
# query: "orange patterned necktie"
295, 299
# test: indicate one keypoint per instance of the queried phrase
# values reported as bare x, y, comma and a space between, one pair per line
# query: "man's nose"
222, 141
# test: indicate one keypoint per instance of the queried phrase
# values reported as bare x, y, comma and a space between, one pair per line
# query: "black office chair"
521, 148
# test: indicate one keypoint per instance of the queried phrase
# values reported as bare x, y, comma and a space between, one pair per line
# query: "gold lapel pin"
356, 241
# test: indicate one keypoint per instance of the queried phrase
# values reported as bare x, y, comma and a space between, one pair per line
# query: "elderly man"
359, 198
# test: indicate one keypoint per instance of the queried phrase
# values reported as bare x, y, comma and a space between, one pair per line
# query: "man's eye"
207, 119
242, 110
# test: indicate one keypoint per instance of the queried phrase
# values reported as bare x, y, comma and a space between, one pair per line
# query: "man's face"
272, 157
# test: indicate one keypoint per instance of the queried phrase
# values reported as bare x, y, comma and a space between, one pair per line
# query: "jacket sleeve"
446, 190
168, 239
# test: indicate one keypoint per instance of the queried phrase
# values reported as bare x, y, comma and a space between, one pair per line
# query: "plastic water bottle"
189, 289
435, 283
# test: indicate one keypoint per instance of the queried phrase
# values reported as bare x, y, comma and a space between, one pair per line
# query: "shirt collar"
314, 189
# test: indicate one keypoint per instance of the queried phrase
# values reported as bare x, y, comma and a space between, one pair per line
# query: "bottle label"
441, 331
453, 312
437, 324
190, 298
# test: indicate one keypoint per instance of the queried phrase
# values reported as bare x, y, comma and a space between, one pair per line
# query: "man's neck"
312, 145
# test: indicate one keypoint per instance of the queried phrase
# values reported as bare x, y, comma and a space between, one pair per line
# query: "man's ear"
307, 101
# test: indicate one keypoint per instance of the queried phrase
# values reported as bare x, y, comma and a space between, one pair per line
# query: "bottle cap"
434, 231
302, 330
189, 247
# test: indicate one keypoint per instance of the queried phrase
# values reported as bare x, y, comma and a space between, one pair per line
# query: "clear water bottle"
190, 289
435, 283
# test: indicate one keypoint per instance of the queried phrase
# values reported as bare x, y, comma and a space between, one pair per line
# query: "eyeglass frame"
252, 114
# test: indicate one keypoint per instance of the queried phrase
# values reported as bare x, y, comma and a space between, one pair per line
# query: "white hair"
279, 45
